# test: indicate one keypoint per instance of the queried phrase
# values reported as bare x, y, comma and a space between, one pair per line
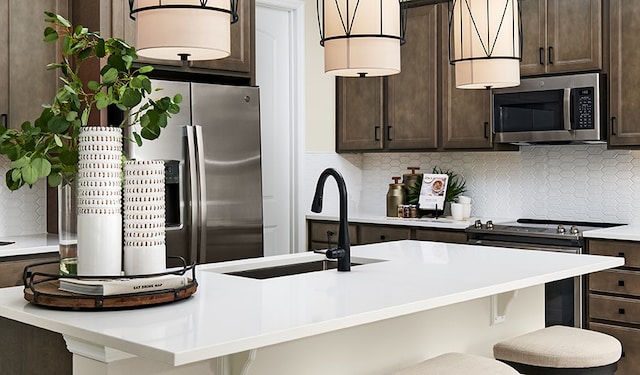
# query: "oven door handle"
517, 245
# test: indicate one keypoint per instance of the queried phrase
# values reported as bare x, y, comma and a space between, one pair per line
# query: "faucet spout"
343, 251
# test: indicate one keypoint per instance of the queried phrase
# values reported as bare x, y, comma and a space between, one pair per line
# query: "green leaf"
15, 174
54, 179
20, 162
71, 116
85, 116
110, 76
131, 98
177, 98
93, 85
102, 101
146, 83
100, 51
162, 120
138, 139
58, 124
41, 166
85, 53
66, 45
63, 21
57, 140
145, 69
68, 157
50, 34
136, 82
29, 174
150, 132
11, 183
174, 109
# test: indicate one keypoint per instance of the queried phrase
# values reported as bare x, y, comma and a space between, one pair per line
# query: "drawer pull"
383, 237
620, 282
621, 254
621, 311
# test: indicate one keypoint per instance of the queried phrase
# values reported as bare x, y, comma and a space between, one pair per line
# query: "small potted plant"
48, 147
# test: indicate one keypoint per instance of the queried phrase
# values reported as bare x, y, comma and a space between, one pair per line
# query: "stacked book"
105, 287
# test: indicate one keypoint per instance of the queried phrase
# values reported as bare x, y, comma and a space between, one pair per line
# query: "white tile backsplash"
573, 182
23, 211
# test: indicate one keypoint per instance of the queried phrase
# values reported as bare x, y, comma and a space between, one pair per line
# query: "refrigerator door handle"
202, 198
193, 193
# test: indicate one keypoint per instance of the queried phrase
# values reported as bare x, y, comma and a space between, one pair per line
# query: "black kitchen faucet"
343, 252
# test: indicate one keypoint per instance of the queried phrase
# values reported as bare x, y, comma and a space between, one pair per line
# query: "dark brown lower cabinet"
614, 300
26, 349
321, 233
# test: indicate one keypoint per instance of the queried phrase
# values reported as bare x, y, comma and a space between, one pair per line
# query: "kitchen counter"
623, 233
29, 245
231, 314
445, 222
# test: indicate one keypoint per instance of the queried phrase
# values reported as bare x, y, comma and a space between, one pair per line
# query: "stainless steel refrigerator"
213, 173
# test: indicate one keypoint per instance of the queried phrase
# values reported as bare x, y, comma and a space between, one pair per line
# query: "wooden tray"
42, 289
47, 294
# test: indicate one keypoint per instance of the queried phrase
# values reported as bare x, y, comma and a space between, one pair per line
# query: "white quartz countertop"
29, 245
444, 222
230, 314
623, 232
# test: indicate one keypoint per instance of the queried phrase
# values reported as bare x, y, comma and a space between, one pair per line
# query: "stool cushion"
458, 364
560, 347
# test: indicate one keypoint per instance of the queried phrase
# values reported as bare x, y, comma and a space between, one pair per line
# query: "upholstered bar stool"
560, 350
458, 364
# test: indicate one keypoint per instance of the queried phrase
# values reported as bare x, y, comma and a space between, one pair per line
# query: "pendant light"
361, 38
183, 29
485, 43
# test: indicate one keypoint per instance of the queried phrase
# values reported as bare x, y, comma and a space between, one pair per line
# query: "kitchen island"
408, 301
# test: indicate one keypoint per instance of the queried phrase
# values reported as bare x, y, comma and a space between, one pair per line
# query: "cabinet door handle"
376, 133
486, 130
5, 119
389, 130
621, 311
541, 55
614, 123
550, 55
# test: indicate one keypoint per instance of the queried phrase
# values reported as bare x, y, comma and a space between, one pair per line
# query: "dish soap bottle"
395, 197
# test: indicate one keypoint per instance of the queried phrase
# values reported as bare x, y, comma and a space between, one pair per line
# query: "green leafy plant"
456, 185
48, 147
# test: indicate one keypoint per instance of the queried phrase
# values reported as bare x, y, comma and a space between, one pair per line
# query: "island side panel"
388, 345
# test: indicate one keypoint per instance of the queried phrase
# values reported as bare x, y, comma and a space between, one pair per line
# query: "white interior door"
275, 48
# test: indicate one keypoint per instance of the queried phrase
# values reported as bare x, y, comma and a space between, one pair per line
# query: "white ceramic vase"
144, 217
100, 201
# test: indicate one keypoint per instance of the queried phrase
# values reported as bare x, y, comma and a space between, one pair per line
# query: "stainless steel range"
564, 299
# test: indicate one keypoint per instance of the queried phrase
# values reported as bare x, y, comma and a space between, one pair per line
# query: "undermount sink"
293, 269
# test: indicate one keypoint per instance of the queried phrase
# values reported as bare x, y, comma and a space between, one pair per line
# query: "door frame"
297, 211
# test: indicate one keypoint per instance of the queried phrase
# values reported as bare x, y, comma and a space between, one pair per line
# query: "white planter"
144, 217
100, 202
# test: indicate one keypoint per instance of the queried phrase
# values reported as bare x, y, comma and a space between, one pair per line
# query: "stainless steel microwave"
558, 109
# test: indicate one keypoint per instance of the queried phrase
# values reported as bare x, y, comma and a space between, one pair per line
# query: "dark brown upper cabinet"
561, 36
624, 74
418, 109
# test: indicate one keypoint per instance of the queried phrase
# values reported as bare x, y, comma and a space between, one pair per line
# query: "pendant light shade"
183, 29
361, 38
485, 43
